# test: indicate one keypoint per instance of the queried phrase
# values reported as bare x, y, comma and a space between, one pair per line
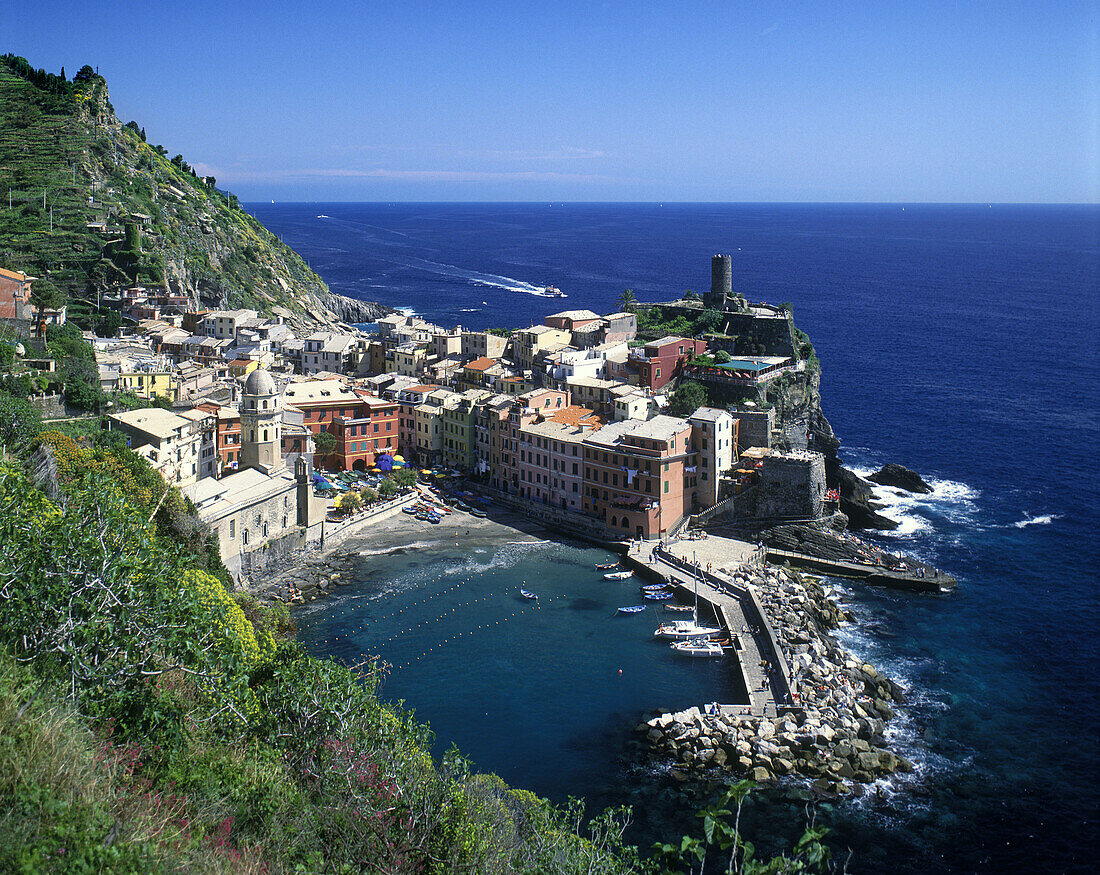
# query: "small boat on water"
618, 575
654, 587
700, 647
680, 608
527, 594
684, 629
552, 291
632, 609
606, 566
657, 596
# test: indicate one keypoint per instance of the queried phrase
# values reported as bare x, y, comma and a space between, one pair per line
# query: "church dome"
260, 382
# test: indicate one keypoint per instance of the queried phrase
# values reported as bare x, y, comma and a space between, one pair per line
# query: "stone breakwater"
834, 733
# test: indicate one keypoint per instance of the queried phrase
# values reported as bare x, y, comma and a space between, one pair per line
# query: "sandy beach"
316, 572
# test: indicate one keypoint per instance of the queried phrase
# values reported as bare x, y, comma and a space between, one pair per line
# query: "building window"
666, 486
232, 528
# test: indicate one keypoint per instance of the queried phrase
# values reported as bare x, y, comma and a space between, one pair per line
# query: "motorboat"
607, 566
552, 292
657, 596
618, 575
697, 647
632, 609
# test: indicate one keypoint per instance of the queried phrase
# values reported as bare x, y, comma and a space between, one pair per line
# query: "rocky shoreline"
834, 735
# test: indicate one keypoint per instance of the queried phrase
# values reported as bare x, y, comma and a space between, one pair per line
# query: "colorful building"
640, 477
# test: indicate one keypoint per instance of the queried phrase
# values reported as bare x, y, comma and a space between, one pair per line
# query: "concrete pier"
734, 606
920, 578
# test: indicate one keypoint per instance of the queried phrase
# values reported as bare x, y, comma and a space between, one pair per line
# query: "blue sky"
574, 101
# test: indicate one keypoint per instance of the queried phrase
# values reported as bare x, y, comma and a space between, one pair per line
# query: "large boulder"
901, 477
858, 502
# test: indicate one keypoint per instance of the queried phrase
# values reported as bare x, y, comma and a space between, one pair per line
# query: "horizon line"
697, 203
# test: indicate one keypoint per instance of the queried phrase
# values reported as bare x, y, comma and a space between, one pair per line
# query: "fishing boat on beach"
698, 647
632, 609
618, 575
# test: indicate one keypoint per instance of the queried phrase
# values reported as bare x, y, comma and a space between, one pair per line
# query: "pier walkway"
735, 606
914, 575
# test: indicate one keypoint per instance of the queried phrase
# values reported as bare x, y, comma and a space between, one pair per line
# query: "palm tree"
627, 301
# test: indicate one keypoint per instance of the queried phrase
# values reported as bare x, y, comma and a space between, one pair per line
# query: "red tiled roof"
574, 414
481, 364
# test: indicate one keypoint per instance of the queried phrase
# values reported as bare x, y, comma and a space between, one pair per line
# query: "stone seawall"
835, 734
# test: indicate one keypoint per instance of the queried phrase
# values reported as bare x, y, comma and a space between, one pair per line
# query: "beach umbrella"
384, 462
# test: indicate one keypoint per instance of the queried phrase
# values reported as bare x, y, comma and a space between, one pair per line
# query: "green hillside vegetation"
68, 163
150, 720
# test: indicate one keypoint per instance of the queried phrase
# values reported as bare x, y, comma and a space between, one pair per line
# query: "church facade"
264, 503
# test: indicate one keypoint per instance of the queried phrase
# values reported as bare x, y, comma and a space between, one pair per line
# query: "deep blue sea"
961, 341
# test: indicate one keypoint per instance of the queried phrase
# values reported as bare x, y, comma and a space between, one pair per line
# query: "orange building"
639, 477
362, 424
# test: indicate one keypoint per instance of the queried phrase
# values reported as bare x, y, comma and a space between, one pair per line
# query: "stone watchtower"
261, 424
721, 282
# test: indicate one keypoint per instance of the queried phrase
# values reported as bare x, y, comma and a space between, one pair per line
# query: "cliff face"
94, 207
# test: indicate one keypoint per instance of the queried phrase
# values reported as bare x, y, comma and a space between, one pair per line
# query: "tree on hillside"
709, 321
110, 323
688, 397
325, 443
45, 296
722, 357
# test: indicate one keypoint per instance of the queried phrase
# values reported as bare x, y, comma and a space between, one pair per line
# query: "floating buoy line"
400, 632
535, 606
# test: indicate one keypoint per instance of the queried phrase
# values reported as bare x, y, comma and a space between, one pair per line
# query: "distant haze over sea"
958, 340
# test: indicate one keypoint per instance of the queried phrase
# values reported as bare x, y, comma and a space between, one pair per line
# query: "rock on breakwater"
834, 734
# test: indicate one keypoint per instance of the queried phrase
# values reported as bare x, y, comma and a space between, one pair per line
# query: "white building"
171, 443
715, 435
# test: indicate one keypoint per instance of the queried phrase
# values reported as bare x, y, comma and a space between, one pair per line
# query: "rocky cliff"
94, 206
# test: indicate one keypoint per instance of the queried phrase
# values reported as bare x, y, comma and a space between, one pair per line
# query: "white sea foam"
950, 499
407, 311
1029, 520
479, 278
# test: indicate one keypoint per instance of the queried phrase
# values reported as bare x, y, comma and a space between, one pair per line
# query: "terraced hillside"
86, 201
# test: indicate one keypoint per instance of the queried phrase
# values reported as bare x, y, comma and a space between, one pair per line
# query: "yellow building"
148, 384
241, 368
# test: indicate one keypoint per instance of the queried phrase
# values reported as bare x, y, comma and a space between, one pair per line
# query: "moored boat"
702, 647
527, 594
632, 609
618, 575
683, 629
607, 566
680, 608
657, 596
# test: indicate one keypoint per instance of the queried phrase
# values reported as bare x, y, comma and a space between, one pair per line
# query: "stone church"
264, 504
